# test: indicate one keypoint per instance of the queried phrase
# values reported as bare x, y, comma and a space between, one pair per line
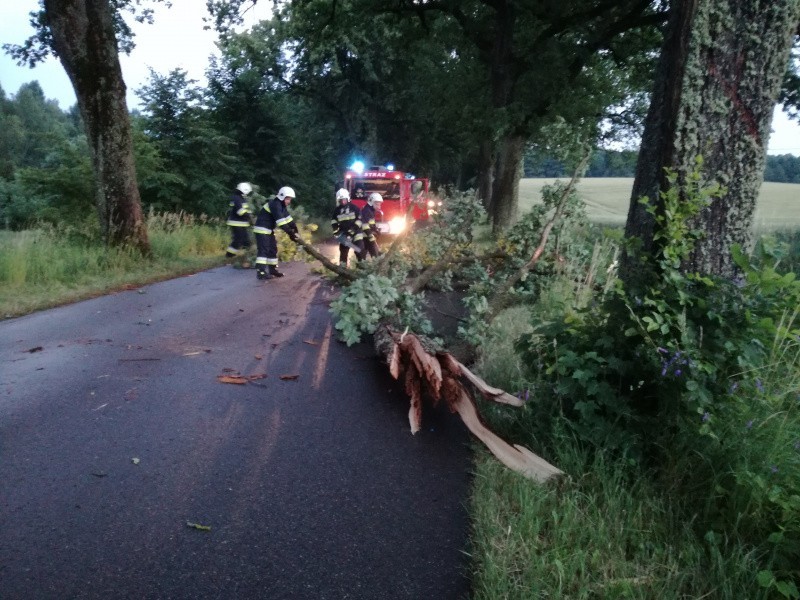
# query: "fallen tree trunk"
437, 375
341, 271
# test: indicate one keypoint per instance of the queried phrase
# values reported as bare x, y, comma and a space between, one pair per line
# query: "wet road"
115, 432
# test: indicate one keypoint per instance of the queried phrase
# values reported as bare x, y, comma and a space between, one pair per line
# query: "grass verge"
42, 268
603, 532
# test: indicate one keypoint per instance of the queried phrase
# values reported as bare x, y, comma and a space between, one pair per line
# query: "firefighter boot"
273, 271
262, 275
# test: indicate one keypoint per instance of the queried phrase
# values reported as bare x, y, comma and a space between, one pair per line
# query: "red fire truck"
400, 190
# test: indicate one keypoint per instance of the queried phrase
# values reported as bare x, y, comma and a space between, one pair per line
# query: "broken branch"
341, 271
439, 374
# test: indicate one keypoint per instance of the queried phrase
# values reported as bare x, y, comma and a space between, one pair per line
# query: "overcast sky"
177, 40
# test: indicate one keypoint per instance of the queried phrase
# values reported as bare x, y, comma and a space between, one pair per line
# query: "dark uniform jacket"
239, 211
368, 222
273, 215
346, 219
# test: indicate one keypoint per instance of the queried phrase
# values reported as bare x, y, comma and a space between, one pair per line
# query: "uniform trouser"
240, 241
344, 251
267, 251
371, 246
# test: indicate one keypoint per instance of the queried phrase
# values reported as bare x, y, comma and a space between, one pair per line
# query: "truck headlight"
397, 225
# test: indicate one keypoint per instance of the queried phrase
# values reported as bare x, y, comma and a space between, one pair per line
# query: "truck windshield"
388, 188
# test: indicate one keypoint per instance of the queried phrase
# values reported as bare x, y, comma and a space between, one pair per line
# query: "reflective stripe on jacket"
239, 211
273, 215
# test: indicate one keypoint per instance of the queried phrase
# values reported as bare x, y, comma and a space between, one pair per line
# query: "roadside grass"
603, 532
45, 267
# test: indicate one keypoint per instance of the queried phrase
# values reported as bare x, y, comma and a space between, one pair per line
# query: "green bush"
696, 378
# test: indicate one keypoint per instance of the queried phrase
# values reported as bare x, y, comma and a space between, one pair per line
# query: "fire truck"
401, 191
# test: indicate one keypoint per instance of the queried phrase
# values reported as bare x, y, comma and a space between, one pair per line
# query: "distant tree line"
783, 168
192, 145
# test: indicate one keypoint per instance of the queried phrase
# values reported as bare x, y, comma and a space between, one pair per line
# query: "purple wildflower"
749, 424
773, 469
760, 386
677, 372
527, 394
706, 417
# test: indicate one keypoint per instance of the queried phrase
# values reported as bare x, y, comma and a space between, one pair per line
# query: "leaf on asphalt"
311, 342
289, 377
99, 474
256, 376
237, 379
135, 461
198, 526
259, 357
34, 349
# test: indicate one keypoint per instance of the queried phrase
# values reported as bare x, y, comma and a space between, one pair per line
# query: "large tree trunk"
505, 191
718, 80
485, 173
85, 41
503, 74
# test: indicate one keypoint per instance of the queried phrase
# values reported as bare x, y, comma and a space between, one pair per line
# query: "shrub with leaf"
695, 377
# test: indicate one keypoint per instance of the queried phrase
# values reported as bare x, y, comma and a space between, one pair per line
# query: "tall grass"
604, 532
49, 266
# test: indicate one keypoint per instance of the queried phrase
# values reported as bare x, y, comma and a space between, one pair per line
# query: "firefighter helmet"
285, 192
342, 194
374, 197
245, 188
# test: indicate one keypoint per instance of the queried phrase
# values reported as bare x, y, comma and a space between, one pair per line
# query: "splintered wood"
438, 375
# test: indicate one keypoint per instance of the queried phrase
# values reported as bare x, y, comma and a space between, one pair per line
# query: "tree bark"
718, 81
84, 39
485, 174
505, 191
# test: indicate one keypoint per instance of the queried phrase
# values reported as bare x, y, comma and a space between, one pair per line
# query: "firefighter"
346, 225
272, 215
369, 226
239, 216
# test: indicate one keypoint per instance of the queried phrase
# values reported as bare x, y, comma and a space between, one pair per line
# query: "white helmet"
245, 188
285, 192
374, 197
342, 194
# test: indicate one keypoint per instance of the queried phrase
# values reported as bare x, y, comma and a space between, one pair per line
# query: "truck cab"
405, 197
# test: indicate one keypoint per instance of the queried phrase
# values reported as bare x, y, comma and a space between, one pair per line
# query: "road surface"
119, 446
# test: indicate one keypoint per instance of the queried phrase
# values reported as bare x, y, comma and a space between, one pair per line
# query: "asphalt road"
115, 433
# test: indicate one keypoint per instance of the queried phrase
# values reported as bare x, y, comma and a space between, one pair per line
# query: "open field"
607, 201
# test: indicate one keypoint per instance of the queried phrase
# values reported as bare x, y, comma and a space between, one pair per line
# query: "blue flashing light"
357, 166
390, 167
